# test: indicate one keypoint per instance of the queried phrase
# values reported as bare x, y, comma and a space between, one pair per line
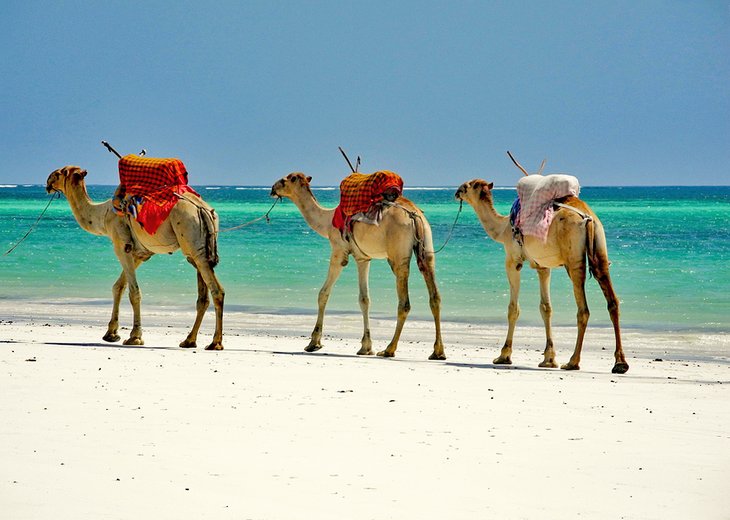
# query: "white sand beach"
263, 430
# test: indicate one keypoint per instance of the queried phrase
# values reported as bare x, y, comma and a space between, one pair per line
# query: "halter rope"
246, 224
55, 195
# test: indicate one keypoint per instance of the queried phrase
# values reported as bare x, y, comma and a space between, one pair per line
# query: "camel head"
58, 180
474, 191
291, 184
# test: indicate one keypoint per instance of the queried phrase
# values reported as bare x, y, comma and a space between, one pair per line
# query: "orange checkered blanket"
149, 187
359, 192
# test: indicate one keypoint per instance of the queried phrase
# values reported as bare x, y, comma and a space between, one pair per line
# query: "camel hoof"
133, 342
548, 364
502, 361
568, 366
620, 368
188, 344
214, 346
111, 338
312, 348
437, 356
385, 353
365, 352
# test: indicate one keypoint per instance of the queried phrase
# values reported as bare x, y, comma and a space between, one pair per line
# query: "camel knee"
404, 307
435, 301
546, 308
118, 287
135, 295
583, 315
203, 301
513, 311
218, 294
323, 296
613, 307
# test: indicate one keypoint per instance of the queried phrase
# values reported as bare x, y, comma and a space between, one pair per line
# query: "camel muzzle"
49, 184
274, 188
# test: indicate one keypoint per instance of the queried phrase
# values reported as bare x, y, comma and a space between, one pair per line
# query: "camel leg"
218, 295
546, 311
338, 260
129, 267
363, 269
135, 298
604, 280
201, 306
117, 290
578, 277
428, 270
513, 311
401, 272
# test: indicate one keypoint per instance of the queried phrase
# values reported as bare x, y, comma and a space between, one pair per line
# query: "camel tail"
595, 247
421, 244
209, 218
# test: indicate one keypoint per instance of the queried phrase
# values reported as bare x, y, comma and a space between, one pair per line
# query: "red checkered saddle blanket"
149, 188
362, 193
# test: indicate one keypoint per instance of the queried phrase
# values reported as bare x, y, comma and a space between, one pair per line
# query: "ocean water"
669, 247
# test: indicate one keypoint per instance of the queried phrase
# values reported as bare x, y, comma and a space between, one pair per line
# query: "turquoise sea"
669, 247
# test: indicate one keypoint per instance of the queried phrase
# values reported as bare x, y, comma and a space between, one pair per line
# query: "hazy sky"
615, 92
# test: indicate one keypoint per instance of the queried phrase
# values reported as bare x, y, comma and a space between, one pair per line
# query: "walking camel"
572, 242
191, 226
396, 238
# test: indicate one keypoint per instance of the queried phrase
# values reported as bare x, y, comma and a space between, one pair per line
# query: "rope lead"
54, 196
246, 224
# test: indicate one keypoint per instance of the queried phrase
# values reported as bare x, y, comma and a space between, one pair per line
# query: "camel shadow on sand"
108, 345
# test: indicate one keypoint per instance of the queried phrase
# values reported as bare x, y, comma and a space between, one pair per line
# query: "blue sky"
615, 92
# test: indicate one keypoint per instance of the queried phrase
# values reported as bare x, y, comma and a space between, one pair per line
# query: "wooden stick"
517, 164
347, 159
542, 167
112, 150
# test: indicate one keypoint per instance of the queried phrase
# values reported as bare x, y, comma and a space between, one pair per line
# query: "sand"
263, 430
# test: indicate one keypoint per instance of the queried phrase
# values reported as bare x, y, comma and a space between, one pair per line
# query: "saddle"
533, 210
149, 188
362, 196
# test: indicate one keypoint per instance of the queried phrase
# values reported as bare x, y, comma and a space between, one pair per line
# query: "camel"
192, 227
403, 230
572, 242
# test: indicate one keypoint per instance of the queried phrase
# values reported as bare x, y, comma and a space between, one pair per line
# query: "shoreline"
263, 430
242, 320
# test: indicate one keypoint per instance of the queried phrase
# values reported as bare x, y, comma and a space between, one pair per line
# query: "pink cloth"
537, 193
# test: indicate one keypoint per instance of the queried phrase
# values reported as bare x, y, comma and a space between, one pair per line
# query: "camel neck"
317, 217
90, 216
497, 226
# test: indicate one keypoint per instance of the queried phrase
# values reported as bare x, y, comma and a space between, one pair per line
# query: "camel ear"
77, 174
490, 186
309, 178
484, 191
